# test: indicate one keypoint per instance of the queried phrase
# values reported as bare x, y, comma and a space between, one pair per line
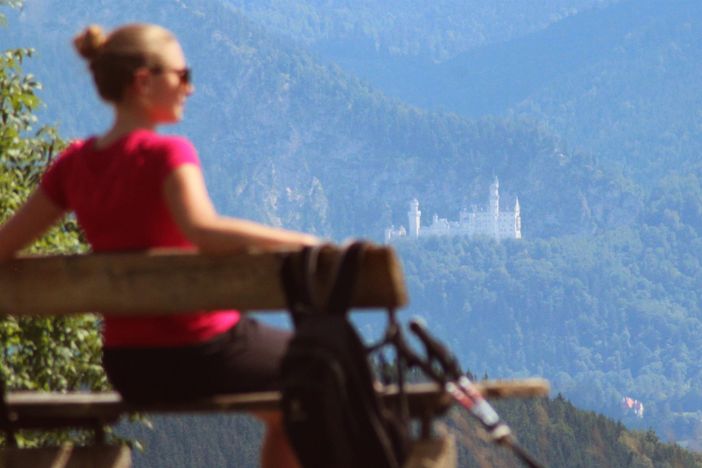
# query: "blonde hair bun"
90, 42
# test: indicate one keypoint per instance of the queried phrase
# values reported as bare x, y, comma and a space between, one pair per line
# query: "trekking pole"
464, 392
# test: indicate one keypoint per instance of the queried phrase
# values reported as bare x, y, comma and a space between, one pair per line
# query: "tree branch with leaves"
55, 353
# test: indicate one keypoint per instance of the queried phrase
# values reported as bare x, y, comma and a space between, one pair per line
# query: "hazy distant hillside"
639, 105
491, 79
621, 81
434, 30
287, 140
396, 45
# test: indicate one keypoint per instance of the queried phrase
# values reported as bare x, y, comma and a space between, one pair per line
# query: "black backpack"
332, 414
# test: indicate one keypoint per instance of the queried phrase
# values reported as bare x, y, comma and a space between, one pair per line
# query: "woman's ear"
141, 82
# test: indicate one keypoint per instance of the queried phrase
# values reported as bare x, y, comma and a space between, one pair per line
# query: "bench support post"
439, 452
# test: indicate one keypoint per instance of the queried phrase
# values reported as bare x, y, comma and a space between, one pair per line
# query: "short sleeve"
54, 180
176, 152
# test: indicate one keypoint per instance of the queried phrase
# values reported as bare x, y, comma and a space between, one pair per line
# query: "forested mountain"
436, 31
621, 81
400, 46
562, 436
639, 105
603, 317
553, 430
295, 143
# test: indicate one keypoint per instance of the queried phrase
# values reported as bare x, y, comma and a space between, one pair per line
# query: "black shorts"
243, 359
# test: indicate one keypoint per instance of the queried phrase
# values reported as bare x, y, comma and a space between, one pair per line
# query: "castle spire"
414, 217
517, 220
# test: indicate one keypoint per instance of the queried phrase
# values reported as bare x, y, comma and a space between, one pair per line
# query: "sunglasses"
184, 75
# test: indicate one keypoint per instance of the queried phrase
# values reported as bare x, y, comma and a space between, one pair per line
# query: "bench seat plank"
39, 409
139, 283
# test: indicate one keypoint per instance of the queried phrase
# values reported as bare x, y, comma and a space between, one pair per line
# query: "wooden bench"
163, 282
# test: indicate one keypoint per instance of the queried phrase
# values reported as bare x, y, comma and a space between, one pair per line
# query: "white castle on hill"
491, 223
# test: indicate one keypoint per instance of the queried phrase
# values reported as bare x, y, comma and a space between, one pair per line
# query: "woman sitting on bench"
133, 189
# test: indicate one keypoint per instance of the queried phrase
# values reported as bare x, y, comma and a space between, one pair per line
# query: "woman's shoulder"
78, 144
59, 170
73, 148
157, 141
169, 150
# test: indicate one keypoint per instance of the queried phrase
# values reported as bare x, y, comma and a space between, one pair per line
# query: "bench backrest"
142, 283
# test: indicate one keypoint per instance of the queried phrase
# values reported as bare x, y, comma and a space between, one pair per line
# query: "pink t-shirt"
116, 195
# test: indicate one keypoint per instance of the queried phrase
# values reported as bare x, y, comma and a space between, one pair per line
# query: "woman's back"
116, 192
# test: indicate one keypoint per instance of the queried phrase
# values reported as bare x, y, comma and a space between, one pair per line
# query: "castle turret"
517, 220
414, 216
495, 208
495, 198
388, 234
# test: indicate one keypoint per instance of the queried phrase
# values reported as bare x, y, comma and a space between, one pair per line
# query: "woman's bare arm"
33, 218
194, 213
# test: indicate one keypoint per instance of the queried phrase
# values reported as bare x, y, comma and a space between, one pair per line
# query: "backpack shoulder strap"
295, 279
298, 279
345, 276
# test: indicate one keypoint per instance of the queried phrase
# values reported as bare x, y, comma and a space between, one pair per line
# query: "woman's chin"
171, 119
177, 115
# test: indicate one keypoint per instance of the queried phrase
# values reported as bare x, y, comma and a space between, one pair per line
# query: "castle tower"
495, 198
495, 208
388, 234
414, 216
517, 220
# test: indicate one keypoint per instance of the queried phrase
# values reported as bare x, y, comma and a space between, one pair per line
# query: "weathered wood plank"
37, 409
516, 388
493, 389
67, 456
140, 283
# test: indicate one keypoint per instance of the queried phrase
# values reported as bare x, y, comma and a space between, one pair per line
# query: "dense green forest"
556, 432
603, 316
636, 107
560, 435
620, 81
